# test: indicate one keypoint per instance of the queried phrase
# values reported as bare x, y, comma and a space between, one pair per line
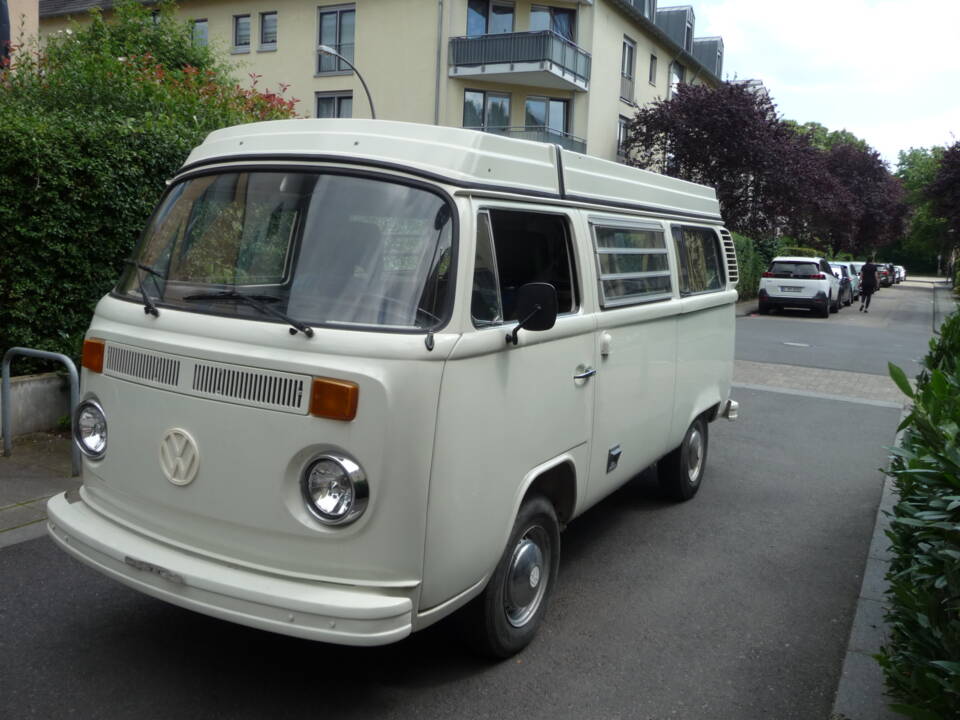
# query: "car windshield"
784, 268
320, 248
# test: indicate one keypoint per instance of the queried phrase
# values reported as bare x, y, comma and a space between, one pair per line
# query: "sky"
886, 70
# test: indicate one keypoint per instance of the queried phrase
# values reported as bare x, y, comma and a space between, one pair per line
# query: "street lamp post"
327, 50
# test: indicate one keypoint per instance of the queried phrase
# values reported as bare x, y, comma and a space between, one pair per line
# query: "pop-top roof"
465, 158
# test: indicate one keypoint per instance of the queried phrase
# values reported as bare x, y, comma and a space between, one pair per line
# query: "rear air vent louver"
143, 366
250, 387
730, 252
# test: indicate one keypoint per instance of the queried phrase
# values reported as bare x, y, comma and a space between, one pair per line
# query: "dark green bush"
751, 263
91, 125
922, 660
799, 251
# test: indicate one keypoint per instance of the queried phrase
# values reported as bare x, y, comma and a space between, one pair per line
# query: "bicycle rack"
6, 425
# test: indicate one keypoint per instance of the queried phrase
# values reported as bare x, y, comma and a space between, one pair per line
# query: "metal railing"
626, 88
539, 133
6, 425
506, 48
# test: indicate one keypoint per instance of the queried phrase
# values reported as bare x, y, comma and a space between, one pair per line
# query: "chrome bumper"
731, 411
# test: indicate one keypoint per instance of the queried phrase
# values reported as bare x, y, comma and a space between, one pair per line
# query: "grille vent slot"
252, 387
144, 366
730, 252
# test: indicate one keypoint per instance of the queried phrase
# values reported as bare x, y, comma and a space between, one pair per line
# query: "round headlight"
90, 429
335, 489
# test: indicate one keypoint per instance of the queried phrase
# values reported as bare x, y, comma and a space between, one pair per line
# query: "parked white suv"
800, 282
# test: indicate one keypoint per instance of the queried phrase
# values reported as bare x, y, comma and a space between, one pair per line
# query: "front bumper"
345, 615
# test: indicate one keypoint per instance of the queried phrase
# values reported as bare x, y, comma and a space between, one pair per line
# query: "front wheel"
681, 472
506, 616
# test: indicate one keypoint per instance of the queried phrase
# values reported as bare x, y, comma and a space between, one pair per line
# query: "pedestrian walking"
868, 284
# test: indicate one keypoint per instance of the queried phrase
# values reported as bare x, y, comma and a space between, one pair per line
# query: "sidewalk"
38, 467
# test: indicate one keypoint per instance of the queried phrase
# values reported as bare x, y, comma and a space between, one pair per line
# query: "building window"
634, 264
241, 33
486, 110
677, 78
337, 26
652, 77
200, 32
623, 125
335, 105
268, 31
688, 38
627, 61
489, 17
562, 21
547, 114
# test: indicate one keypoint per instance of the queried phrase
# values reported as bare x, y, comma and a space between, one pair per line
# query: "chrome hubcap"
527, 577
694, 455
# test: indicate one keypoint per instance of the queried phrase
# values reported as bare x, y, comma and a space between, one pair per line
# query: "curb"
861, 692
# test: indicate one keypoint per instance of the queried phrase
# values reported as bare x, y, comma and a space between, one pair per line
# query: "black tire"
825, 312
681, 472
849, 297
498, 626
763, 308
835, 306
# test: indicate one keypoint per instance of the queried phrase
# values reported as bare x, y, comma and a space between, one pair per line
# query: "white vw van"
359, 374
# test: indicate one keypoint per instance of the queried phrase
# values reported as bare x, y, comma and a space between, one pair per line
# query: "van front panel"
244, 504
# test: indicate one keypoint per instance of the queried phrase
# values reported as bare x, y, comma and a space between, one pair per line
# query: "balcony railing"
626, 88
539, 133
568, 59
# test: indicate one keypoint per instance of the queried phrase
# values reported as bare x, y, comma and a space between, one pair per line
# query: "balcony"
540, 133
540, 59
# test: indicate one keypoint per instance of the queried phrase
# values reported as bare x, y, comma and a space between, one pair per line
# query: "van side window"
486, 307
633, 264
527, 247
698, 254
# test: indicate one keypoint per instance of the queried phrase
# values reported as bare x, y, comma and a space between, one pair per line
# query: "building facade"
556, 71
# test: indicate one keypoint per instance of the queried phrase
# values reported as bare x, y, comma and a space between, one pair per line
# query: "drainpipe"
436, 96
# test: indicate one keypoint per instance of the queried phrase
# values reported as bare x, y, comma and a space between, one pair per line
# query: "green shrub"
751, 264
799, 251
922, 659
91, 125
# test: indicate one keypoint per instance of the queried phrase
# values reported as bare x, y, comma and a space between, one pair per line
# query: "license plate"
790, 289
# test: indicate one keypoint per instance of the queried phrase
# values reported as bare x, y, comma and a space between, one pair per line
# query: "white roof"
795, 258
467, 158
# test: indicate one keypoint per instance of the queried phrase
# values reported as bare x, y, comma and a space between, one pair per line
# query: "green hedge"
752, 263
799, 251
91, 126
922, 659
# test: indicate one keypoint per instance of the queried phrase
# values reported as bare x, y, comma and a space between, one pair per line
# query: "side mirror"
536, 308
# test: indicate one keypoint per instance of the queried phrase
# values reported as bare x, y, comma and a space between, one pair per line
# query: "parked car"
372, 383
901, 273
799, 282
854, 279
884, 275
842, 272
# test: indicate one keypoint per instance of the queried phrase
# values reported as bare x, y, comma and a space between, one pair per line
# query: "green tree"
926, 231
91, 125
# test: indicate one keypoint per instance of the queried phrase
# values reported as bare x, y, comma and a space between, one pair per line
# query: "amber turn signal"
334, 399
92, 358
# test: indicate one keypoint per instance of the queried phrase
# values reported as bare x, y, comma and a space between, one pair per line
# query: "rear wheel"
763, 308
506, 616
824, 312
681, 472
835, 306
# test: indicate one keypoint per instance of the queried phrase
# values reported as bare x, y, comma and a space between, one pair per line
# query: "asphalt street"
736, 605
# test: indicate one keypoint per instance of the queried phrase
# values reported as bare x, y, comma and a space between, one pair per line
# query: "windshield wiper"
257, 302
149, 307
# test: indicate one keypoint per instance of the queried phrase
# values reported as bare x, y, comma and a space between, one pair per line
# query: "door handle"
585, 372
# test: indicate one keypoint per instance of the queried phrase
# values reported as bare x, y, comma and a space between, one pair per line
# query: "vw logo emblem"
179, 457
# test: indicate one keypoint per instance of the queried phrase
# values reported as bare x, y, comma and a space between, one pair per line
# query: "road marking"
818, 395
793, 344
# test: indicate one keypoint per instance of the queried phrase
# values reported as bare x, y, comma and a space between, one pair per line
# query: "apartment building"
558, 71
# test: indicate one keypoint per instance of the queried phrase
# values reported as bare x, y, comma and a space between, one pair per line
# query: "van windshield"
321, 248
